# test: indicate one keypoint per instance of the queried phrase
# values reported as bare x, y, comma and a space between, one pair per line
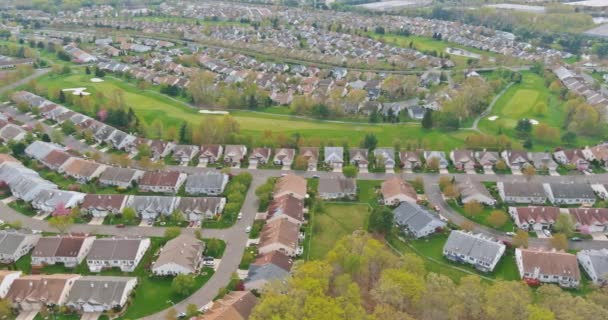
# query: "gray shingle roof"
476, 246
413, 216
571, 191
98, 290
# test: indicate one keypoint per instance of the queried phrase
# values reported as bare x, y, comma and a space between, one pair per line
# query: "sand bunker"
534, 122
492, 118
213, 112
77, 91
96, 80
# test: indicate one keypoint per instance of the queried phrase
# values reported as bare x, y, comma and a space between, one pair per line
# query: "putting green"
521, 103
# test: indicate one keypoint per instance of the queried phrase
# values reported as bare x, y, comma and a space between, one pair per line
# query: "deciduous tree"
498, 218
473, 207
559, 241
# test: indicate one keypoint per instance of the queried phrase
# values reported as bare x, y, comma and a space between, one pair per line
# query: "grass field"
338, 220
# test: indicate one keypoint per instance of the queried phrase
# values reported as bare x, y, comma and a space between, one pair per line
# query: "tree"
183, 284
501, 165
473, 208
300, 163
381, 220
214, 248
61, 223
171, 314
451, 191
564, 224
172, 232
497, 218
521, 238
497, 307
57, 136
349, 171
399, 289
559, 241
569, 138
129, 214
369, 142
6, 310
427, 120
191, 310
432, 164
529, 172
539, 313
87, 70
523, 127
18, 149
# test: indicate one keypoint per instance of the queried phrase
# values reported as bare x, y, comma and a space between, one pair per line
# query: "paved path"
487, 111
37, 73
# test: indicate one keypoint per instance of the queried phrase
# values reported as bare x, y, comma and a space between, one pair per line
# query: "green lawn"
23, 208
483, 217
367, 191
338, 220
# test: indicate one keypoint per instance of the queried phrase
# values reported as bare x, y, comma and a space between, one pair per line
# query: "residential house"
180, 255
574, 158
331, 188
15, 244
7, 277
33, 292
162, 181
56, 201
597, 153
273, 266
474, 191
334, 157
210, 153
234, 154
236, 305
209, 183
183, 154
463, 160
385, 156
55, 159
521, 192
101, 205
260, 156
394, 191
284, 157
12, 132
290, 184
286, 207
39, 149
548, 267
69, 250
121, 140
516, 160
160, 149
542, 161
410, 160
439, 155
122, 253
589, 220
197, 209
570, 193
279, 235
475, 249
7, 158
358, 158
120, 177
487, 159
25, 184
416, 220
311, 154
94, 294
534, 218
150, 207
82, 170
595, 263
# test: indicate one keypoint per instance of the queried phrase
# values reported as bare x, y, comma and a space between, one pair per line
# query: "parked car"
299, 251
240, 216
547, 233
576, 239
120, 225
510, 234
248, 229
209, 261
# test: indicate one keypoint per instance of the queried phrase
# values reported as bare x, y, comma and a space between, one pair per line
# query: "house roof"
290, 184
475, 246
237, 305
334, 154
81, 167
589, 216
103, 201
115, 249
199, 205
59, 246
287, 205
274, 265
395, 186
550, 262
39, 288
98, 290
541, 214
337, 185
414, 216
153, 204
7, 158
40, 149
599, 261
523, 189
469, 188
310, 153
184, 250
206, 180
160, 178
283, 154
56, 158
10, 240
116, 174
214, 150
572, 191
280, 231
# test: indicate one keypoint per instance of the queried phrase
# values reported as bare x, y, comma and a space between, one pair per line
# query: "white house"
181, 255
595, 263
123, 253
548, 267
16, 244
475, 249
91, 294
69, 250
416, 221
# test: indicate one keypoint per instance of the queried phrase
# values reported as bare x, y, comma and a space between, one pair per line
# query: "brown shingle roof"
550, 263
291, 184
277, 258
160, 178
281, 231
80, 167
36, 288
56, 158
102, 201
7, 158
395, 186
67, 246
237, 305
288, 205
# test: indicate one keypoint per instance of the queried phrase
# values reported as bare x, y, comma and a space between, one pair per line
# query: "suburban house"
589, 220
439, 155
410, 160
358, 158
284, 157
394, 191
286, 207
331, 188
516, 160
569, 193
209, 183
120, 177
463, 160
121, 140
236, 305
597, 153
534, 218
210, 153
183, 153
542, 161
91, 294
273, 266
279, 235
416, 220
474, 191
161, 181
260, 156
69, 250
487, 159
475, 249
574, 158
197, 209
595, 263
122, 253
55, 159
520, 192
15, 244
150, 207
33, 292
290, 184
12, 132
334, 157
25, 183
234, 154
7, 278
311, 154
548, 267
101, 205
385, 156
160, 149
82, 170
56, 201
39, 149
180, 255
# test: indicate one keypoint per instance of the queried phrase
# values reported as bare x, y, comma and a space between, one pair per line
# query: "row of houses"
540, 193
586, 220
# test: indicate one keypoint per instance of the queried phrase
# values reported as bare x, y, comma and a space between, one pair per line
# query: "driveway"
90, 316
26, 315
599, 236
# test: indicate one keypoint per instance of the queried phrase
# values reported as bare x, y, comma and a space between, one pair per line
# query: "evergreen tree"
61, 96
87, 70
427, 120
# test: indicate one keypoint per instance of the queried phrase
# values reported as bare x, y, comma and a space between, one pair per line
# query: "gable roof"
337, 185
523, 189
116, 174
287, 205
10, 240
98, 290
571, 191
81, 167
115, 248
39, 288
280, 231
237, 305
396, 186
476, 246
160, 178
103, 202
184, 250
598, 260
549, 262
414, 216
290, 184
59, 246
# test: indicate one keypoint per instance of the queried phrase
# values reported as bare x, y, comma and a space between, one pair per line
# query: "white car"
299, 251
547, 233
240, 216
248, 229
510, 234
